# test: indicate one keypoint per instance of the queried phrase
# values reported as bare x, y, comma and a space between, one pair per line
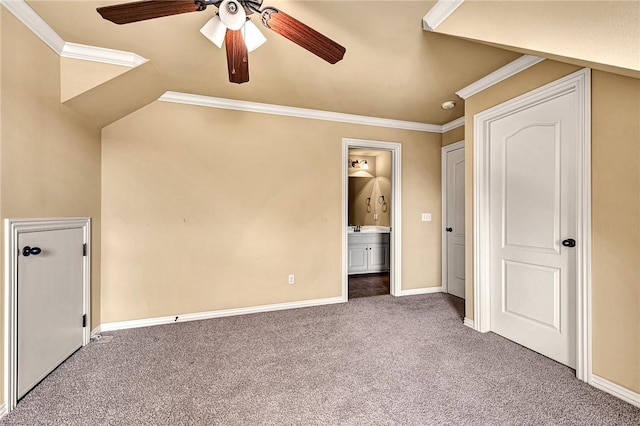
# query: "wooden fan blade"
302, 35
237, 57
142, 10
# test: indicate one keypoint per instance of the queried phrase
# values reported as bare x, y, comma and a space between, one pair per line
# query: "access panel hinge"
84, 249
84, 320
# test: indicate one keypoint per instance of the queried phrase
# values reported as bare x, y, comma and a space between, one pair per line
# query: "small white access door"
50, 302
533, 163
454, 250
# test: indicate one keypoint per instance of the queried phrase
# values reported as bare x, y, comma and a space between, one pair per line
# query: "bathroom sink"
370, 229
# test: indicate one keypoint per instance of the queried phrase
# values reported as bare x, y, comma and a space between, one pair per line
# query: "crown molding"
512, 68
101, 54
21, 10
458, 122
234, 104
40, 28
439, 13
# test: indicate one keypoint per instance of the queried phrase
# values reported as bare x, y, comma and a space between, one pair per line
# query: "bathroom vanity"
369, 250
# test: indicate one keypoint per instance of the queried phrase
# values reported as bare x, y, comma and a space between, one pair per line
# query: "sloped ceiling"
602, 34
392, 68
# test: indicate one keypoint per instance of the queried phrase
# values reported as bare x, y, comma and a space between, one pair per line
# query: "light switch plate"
426, 217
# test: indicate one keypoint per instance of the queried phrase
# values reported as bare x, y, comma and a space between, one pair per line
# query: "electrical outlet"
375, 216
292, 279
426, 217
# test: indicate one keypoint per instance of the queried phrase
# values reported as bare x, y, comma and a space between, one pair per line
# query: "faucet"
356, 228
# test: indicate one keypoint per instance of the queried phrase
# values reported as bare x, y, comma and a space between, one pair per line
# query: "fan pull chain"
233, 55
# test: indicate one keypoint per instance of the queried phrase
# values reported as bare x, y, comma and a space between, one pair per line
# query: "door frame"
446, 150
12, 230
395, 240
580, 83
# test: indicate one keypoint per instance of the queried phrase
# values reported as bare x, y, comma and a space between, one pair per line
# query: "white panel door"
533, 209
50, 302
454, 223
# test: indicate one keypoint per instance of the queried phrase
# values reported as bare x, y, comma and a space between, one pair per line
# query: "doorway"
47, 299
531, 220
371, 212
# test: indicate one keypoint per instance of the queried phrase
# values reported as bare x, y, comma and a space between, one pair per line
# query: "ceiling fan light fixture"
253, 38
214, 30
232, 14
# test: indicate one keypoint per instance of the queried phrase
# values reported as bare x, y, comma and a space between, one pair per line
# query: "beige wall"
50, 159
453, 136
616, 228
207, 209
78, 76
615, 211
361, 188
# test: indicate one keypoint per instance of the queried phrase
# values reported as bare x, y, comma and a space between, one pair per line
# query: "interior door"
532, 156
455, 222
50, 302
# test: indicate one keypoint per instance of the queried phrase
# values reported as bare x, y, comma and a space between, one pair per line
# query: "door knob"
569, 242
28, 251
449, 229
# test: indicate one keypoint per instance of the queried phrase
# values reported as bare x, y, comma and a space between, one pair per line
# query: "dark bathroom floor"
368, 285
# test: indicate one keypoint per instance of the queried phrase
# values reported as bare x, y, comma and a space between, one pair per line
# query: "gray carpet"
373, 361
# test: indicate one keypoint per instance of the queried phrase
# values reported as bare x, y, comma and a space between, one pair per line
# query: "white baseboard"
422, 290
618, 391
96, 330
3, 410
469, 323
121, 325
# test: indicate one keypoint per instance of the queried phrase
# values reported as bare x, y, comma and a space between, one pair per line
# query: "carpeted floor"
373, 361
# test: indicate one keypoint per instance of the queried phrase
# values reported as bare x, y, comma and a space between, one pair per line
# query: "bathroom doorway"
370, 217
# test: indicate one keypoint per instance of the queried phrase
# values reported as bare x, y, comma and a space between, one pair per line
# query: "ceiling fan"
232, 24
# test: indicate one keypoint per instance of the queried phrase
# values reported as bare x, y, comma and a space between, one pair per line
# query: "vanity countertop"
369, 230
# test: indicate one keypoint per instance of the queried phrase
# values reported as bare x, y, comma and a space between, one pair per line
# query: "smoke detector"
448, 105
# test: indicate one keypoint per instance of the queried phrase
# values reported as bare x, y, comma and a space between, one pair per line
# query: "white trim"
13, 228
580, 83
102, 55
469, 323
421, 290
453, 146
395, 276
96, 331
584, 355
3, 410
458, 122
616, 390
21, 10
316, 114
439, 13
344, 237
512, 68
147, 322
443, 158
